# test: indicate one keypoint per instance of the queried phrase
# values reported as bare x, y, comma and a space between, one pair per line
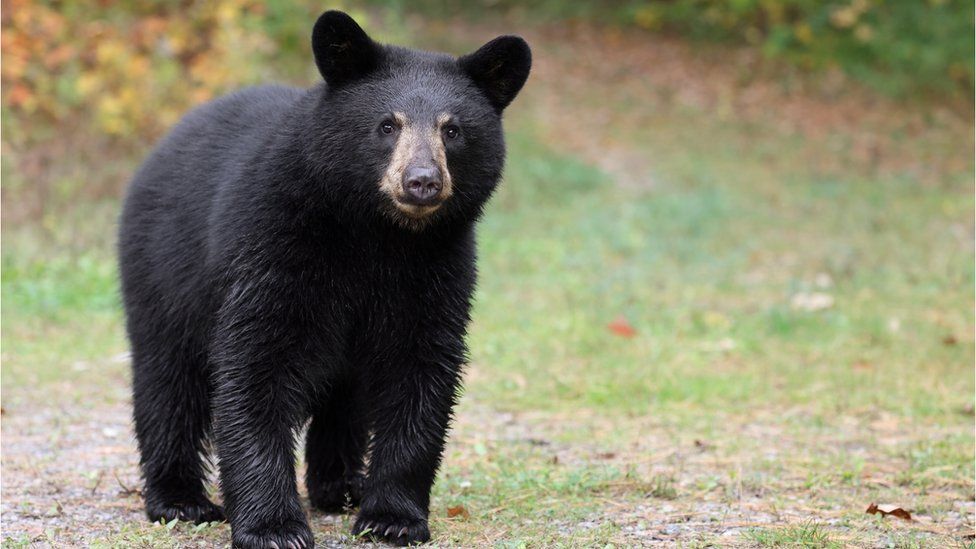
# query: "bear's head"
414, 136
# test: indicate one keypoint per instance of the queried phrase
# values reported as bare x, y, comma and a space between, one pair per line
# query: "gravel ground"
70, 477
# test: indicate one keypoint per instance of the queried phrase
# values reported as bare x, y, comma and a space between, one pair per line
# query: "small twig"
98, 481
126, 491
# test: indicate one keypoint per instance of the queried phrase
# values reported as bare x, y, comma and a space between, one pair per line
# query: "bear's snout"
422, 185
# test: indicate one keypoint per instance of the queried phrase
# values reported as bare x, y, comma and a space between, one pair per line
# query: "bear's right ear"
343, 51
499, 68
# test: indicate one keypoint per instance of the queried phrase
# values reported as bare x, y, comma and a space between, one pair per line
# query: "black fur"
267, 281
500, 68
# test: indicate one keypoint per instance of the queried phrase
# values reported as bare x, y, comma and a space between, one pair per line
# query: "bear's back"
215, 138
164, 224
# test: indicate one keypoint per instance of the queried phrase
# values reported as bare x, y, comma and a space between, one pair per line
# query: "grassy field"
700, 322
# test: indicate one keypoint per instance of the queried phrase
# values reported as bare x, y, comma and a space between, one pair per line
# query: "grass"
805, 535
60, 296
730, 406
712, 262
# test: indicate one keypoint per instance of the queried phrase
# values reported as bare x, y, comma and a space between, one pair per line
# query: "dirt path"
71, 476
69, 468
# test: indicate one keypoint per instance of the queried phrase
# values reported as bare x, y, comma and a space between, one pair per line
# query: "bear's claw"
392, 529
197, 511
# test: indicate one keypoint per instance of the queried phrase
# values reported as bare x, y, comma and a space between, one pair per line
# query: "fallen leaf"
949, 340
458, 511
886, 509
622, 327
606, 455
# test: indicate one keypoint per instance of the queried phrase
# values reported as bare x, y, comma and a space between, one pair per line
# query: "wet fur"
269, 284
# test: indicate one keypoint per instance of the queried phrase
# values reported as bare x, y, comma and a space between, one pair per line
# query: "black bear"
289, 255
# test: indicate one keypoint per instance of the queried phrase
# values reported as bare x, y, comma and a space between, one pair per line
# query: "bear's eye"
387, 127
452, 132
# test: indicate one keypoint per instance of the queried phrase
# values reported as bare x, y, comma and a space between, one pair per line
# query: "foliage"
130, 69
78, 78
96, 83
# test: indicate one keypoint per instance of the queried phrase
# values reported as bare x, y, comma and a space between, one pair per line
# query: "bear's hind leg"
334, 452
172, 419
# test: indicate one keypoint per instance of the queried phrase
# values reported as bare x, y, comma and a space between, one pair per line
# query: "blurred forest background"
94, 81
728, 282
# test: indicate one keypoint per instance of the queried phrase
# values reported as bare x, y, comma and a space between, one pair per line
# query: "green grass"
60, 296
808, 535
710, 262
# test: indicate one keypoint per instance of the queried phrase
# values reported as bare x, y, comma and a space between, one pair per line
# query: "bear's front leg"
266, 366
412, 411
254, 433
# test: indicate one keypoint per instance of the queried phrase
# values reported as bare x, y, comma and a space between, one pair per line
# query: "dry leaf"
950, 340
458, 511
887, 509
622, 327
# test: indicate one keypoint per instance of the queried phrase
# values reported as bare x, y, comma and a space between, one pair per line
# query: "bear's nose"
422, 185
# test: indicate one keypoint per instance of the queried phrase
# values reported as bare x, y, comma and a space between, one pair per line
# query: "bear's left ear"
499, 68
343, 51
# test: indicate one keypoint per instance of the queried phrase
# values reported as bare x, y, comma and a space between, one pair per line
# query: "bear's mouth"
416, 211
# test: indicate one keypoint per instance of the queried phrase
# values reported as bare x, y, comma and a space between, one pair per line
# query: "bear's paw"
197, 511
290, 535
